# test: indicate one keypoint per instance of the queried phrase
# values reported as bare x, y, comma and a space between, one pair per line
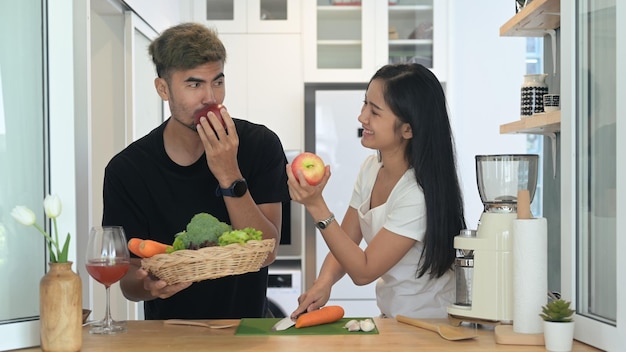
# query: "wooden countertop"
150, 336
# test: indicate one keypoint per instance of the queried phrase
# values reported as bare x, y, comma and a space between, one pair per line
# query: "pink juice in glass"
106, 273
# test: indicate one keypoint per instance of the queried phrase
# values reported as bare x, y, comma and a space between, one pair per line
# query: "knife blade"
283, 324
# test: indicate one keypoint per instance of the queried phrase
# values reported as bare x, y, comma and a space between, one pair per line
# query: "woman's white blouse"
399, 291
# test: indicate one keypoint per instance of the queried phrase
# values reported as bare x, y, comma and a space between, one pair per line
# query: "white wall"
484, 79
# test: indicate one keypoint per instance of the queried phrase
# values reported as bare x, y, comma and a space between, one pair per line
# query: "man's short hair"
185, 46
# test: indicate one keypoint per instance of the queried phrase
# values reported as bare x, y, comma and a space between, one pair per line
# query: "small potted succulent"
558, 325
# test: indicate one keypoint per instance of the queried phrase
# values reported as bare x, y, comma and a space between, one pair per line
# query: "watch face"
239, 188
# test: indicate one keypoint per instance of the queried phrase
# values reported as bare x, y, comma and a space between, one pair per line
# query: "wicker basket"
209, 262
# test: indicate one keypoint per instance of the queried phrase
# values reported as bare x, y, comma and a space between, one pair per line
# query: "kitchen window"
23, 165
36, 152
593, 215
595, 168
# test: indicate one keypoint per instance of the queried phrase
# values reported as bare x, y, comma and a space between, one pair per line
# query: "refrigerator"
332, 131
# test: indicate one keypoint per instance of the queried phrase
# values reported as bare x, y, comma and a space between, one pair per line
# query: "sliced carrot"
148, 248
133, 246
324, 315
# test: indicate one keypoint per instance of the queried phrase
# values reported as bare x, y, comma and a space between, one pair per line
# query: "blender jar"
500, 177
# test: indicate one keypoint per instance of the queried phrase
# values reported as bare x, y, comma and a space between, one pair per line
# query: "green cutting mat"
263, 326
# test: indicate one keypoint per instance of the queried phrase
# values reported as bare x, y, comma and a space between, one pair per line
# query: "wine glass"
107, 262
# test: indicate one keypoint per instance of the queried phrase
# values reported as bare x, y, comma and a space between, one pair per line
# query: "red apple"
312, 167
215, 108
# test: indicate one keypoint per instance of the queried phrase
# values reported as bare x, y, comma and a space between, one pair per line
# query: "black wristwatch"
237, 189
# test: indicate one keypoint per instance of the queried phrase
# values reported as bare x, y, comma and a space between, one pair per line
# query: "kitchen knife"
283, 324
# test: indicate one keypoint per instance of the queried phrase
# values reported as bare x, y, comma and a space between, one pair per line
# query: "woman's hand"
314, 298
302, 192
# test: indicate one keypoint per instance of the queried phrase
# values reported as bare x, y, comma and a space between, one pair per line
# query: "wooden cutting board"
263, 326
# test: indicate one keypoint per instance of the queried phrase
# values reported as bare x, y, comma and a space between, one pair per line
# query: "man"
235, 171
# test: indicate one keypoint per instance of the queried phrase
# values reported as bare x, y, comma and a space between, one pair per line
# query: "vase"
60, 309
532, 91
558, 336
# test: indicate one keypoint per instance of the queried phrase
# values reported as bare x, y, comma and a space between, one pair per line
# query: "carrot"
148, 248
133, 246
324, 315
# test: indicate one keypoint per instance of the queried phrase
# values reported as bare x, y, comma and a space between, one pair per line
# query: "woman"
406, 204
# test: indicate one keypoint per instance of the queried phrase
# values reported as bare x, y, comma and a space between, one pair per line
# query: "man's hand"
221, 145
159, 288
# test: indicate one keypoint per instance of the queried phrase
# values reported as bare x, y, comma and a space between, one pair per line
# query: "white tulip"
23, 215
52, 206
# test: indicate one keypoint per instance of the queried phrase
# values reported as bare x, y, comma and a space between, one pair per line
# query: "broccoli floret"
240, 236
178, 242
202, 231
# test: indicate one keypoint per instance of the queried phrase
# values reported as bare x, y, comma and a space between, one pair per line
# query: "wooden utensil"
448, 332
196, 323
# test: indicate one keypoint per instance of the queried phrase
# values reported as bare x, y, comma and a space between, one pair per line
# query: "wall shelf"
542, 123
546, 123
534, 19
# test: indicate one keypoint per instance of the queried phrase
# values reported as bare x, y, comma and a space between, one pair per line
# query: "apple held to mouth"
312, 167
215, 108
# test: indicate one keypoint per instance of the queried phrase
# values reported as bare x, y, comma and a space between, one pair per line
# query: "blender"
484, 263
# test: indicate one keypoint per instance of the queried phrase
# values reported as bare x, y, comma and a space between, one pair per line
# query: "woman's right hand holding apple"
307, 185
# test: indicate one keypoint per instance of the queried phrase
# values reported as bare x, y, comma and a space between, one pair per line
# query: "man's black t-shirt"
154, 198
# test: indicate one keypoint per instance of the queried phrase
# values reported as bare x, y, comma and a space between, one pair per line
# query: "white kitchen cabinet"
349, 41
416, 32
248, 16
264, 82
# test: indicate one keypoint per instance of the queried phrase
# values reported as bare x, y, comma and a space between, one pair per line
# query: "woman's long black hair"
416, 97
